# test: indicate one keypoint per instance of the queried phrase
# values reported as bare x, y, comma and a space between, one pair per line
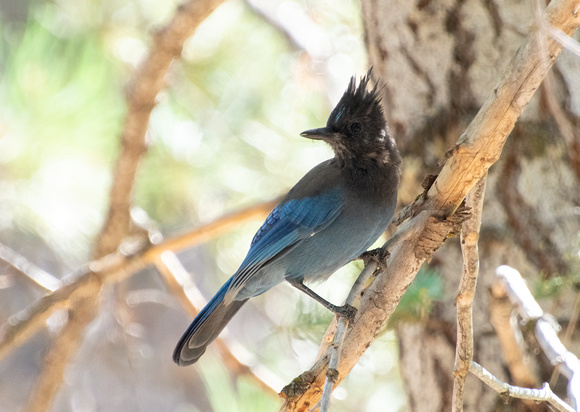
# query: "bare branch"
544, 394
112, 269
141, 94
211, 230
29, 269
148, 81
478, 148
423, 235
464, 300
545, 330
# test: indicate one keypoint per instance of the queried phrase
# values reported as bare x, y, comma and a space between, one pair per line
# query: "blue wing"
288, 224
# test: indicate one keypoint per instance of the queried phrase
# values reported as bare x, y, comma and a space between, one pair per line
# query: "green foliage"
417, 302
556, 285
60, 109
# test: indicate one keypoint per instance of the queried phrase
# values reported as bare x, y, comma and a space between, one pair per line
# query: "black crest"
357, 102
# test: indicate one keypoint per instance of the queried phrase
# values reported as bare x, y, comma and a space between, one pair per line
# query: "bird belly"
318, 257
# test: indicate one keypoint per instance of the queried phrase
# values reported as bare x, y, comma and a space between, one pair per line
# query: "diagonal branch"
478, 148
112, 269
335, 349
481, 144
29, 269
23, 325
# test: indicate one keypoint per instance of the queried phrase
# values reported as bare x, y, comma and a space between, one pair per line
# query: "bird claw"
379, 255
347, 311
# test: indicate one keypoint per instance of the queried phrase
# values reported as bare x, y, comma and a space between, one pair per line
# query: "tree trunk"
439, 61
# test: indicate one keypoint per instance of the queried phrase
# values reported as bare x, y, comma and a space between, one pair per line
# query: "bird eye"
355, 127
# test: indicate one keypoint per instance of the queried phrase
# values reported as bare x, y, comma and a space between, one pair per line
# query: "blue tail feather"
206, 326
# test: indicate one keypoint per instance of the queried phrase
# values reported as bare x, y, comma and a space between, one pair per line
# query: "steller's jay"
332, 215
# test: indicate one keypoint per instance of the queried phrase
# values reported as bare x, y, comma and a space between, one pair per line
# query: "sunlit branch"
544, 394
29, 269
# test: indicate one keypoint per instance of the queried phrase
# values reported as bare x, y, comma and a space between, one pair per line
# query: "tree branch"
544, 394
478, 148
520, 365
464, 299
335, 349
29, 269
544, 330
141, 94
481, 144
148, 81
112, 269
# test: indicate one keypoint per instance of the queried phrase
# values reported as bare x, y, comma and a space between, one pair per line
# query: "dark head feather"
358, 102
356, 128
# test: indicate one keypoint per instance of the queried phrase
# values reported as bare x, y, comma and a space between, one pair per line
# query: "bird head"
356, 128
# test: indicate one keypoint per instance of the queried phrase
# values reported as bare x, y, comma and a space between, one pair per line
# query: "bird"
329, 218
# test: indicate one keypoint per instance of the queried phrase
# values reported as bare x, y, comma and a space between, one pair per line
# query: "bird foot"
347, 311
378, 255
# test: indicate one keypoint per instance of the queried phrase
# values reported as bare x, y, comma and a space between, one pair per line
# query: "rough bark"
439, 61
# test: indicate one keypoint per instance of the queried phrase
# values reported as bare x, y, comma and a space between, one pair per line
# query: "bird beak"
324, 133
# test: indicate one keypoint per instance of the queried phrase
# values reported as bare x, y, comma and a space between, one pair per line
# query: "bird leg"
345, 310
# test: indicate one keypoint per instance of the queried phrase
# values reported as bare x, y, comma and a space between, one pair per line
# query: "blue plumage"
330, 217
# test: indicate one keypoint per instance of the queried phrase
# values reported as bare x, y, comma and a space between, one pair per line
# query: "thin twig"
544, 330
568, 42
211, 230
29, 269
544, 394
464, 299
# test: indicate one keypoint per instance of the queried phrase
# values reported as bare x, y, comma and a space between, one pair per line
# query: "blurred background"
223, 136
